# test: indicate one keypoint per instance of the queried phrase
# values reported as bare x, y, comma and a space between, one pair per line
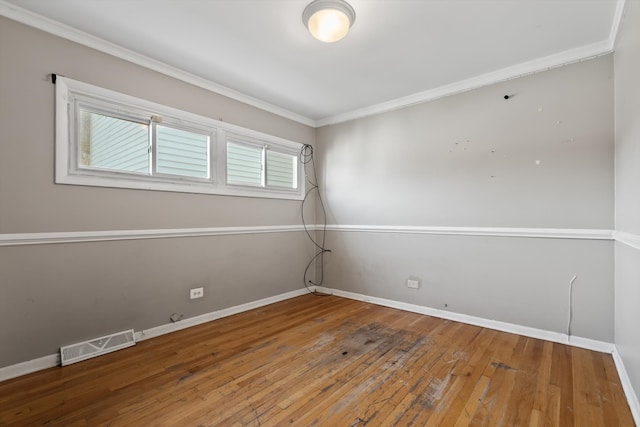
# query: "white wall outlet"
413, 284
196, 293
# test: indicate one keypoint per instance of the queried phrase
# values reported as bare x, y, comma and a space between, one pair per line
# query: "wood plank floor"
326, 361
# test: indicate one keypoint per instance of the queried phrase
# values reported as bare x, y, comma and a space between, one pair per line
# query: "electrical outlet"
196, 293
413, 284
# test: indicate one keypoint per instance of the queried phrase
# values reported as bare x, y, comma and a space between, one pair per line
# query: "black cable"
306, 158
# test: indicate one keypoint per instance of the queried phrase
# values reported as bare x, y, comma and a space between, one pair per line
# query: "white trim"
629, 239
71, 94
19, 239
520, 70
155, 184
615, 26
147, 108
59, 29
24, 368
527, 331
541, 64
547, 233
214, 315
627, 386
53, 360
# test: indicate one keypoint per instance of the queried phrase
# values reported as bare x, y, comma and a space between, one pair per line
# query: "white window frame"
70, 94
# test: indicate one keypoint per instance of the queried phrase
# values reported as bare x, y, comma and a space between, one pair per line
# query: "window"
245, 164
281, 169
260, 165
104, 138
112, 143
181, 152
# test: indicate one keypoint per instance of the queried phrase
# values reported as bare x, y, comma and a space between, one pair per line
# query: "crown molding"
526, 68
617, 21
520, 70
59, 29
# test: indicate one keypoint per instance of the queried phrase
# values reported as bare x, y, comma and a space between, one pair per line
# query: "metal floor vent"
86, 350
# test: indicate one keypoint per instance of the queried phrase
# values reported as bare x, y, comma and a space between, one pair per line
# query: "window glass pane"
112, 143
244, 164
281, 170
183, 153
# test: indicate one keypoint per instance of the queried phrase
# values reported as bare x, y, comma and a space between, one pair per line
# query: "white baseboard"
52, 360
632, 397
589, 344
208, 317
30, 366
561, 338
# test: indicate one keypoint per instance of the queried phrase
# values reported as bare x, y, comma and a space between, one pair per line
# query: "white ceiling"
397, 53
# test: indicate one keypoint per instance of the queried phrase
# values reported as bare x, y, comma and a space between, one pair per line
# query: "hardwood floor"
326, 361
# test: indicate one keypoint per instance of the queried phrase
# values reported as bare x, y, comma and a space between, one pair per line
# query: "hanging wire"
307, 160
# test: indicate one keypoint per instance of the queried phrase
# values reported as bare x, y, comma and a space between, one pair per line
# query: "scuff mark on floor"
500, 365
185, 377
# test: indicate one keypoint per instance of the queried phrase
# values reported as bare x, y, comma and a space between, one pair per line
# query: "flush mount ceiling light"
328, 20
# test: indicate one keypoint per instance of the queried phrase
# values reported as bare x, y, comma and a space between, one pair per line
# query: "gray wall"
627, 152
469, 160
53, 295
464, 160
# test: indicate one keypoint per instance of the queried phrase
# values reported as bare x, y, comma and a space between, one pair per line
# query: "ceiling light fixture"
328, 20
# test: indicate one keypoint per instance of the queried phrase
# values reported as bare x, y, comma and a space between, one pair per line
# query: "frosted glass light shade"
328, 20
